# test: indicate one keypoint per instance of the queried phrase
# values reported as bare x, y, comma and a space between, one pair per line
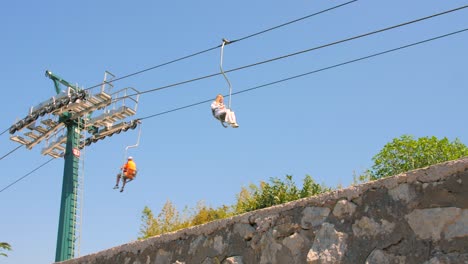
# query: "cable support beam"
72, 107
51, 106
109, 132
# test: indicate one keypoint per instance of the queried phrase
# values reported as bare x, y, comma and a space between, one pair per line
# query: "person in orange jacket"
128, 173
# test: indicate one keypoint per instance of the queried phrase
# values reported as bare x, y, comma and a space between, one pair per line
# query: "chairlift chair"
222, 117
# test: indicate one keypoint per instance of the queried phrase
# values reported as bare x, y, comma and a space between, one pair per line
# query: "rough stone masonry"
415, 217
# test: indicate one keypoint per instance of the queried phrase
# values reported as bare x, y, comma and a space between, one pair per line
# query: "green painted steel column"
67, 221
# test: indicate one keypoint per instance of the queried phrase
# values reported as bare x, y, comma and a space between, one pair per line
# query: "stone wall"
416, 217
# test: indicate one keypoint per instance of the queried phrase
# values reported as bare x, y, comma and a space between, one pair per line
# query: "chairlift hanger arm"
134, 124
58, 80
225, 42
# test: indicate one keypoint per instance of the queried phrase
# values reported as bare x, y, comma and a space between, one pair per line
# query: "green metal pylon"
67, 220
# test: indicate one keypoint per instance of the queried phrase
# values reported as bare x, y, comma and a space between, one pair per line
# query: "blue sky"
328, 125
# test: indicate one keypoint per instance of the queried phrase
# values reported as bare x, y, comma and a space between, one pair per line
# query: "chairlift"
222, 117
137, 122
122, 175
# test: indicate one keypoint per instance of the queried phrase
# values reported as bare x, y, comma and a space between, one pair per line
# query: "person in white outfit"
223, 114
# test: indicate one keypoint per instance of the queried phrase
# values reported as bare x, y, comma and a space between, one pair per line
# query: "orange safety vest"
129, 168
130, 165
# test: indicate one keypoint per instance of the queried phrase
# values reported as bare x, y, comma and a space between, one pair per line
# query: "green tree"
204, 214
406, 153
245, 199
4, 246
148, 226
168, 220
275, 192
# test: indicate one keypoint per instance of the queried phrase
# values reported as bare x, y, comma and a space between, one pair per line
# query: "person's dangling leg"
124, 181
119, 175
227, 117
128, 177
231, 117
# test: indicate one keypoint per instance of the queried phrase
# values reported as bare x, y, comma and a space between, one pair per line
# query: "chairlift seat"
221, 118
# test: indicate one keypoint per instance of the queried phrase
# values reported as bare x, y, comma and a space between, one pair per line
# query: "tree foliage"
148, 226
168, 220
400, 155
406, 153
205, 214
275, 192
267, 194
4, 246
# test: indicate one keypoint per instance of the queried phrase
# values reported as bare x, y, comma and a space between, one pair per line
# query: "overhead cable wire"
216, 47
29, 173
313, 72
297, 53
4, 131
267, 61
11, 152
291, 22
154, 67
213, 48
276, 82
